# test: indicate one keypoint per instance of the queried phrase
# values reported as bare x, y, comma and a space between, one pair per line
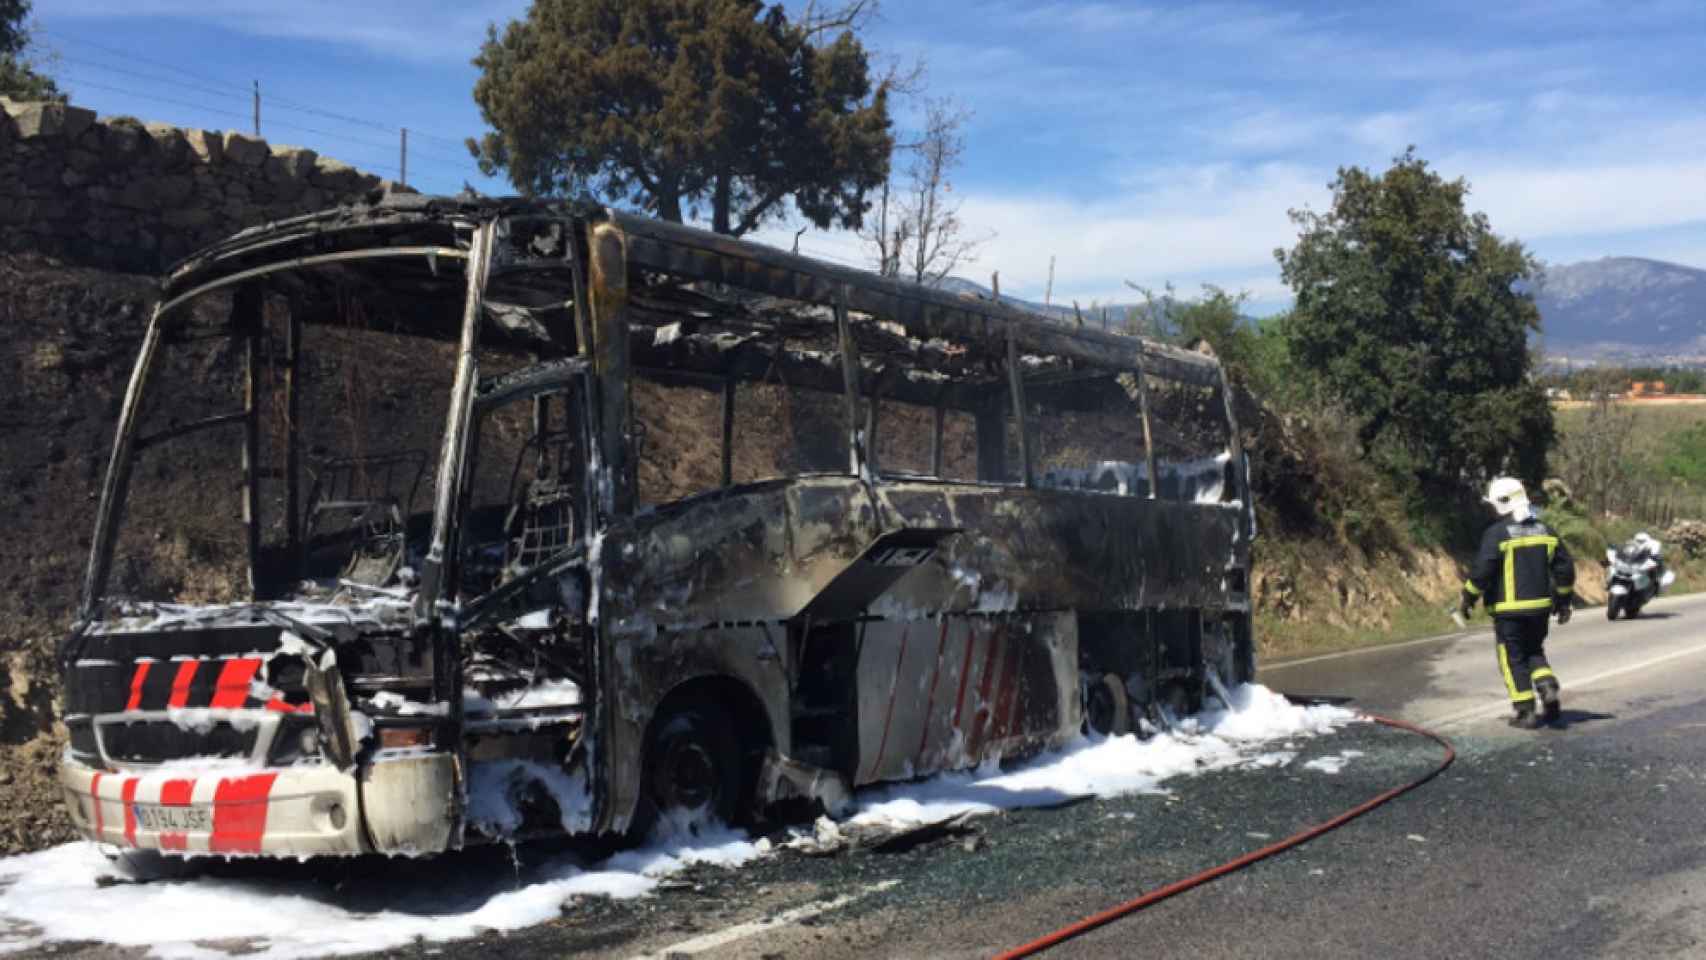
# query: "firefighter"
1524, 573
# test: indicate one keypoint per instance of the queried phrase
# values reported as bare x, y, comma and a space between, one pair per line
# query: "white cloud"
1223, 23
1194, 226
1187, 226
1269, 130
402, 29
1220, 223
1535, 200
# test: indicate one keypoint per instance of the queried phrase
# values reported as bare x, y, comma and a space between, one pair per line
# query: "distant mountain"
1623, 306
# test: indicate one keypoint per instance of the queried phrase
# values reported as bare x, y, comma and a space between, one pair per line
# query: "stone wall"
117, 193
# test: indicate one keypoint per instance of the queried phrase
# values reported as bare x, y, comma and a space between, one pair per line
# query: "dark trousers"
1522, 656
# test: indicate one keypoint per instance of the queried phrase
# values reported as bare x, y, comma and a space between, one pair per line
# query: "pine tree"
684, 108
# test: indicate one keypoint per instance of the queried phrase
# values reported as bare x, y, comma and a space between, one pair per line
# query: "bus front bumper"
406, 805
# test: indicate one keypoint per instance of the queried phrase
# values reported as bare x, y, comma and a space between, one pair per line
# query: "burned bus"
437, 521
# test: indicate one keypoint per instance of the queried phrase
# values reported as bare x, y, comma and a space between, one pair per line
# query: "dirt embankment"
68, 337
1316, 594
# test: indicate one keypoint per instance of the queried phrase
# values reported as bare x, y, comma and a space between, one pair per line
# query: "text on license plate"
176, 819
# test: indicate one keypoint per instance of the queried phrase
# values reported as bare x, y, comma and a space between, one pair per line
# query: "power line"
227, 88
446, 140
435, 164
144, 76
171, 100
337, 138
141, 59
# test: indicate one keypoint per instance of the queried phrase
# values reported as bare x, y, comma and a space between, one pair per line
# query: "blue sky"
1147, 142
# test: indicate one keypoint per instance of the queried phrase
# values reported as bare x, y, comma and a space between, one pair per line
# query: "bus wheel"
1175, 701
1107, 709
693, 762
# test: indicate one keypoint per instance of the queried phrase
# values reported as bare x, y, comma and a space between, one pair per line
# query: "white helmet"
1508, 497
1642, 540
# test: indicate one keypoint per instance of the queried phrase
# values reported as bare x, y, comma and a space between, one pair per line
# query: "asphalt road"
1582, 842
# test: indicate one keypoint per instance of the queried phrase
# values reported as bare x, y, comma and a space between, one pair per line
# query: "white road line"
741, 931
1480, 628
1270, 668
1487, 711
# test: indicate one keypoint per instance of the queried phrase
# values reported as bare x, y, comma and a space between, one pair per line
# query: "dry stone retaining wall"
117, 193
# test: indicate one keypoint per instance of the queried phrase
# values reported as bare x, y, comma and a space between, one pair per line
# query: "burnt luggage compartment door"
955, 691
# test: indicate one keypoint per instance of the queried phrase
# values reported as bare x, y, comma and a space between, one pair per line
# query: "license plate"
173, 819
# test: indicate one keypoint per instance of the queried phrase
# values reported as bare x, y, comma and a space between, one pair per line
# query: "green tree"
718, 107
1406, 310
1215, 317
19, 78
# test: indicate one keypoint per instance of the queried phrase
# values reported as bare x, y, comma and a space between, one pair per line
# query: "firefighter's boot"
1551, 709
1525, 718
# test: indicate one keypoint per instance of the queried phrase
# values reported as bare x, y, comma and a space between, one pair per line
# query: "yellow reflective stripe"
1565, 591
1510, 681
1505, 606
1542, 673
1509, 549
1470, 588
1537, 541
1510, 575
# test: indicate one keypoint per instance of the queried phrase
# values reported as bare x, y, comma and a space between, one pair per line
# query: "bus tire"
693, 764
1107, 709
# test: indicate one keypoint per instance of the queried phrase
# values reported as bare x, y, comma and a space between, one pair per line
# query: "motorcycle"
1629, 582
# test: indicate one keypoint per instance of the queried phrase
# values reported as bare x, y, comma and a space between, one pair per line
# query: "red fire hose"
1156, 896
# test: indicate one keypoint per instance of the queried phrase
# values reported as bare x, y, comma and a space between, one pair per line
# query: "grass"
1666, 454
1653, 424
1310, 609
1279, 639
1328, 594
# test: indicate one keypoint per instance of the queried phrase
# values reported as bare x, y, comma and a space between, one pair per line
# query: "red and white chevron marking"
222, 684
206, 814
284, 811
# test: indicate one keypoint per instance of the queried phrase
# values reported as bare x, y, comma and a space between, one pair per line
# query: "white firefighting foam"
52, 896
1219, 738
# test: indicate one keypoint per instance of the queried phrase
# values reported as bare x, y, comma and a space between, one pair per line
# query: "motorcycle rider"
1524, 573
1644, 548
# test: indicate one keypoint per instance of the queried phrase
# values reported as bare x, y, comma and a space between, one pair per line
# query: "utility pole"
1049, 292
403, 161
257, 109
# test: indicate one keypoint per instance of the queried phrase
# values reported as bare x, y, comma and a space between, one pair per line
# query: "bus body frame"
788, 637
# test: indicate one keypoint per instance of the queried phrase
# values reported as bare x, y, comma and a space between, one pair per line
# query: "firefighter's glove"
1561, 607
1466, 605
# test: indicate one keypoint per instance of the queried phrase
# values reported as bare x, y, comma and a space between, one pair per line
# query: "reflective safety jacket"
1521, 569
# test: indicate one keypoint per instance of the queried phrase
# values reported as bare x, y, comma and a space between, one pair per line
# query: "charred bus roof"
400, 254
